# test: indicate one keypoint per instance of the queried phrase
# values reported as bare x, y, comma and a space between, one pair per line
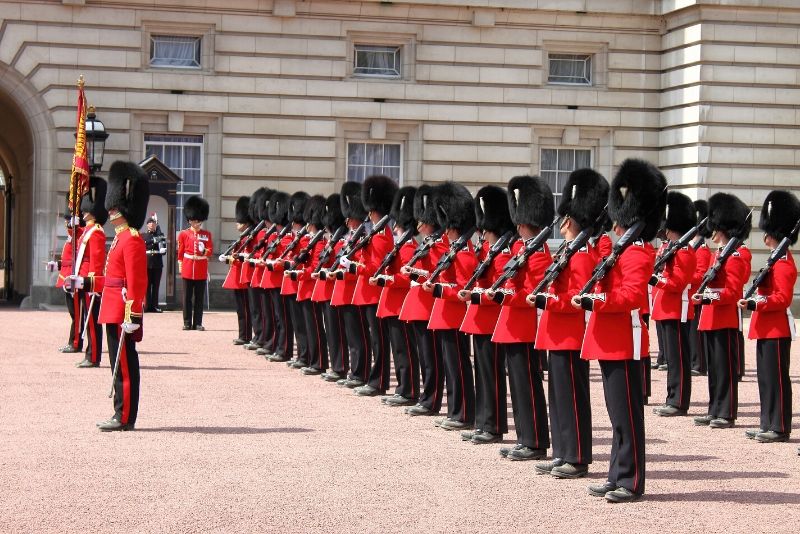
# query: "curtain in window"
568, 68
377, 60
174, 51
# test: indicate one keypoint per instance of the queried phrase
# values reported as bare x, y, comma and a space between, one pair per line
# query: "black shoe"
654, 365
695, 372
97, 424
485, 438
157, 310
547, 467
668, 411
505, 451
398, 400
570, 471
662, 367
187, 327
69, 349
352, 383
86, 363
751, 433
239, 341
112, 425
367, 391
296, 364
277, 358
419, 409
771, 437
600, 490
331, 376
199, 327
720, 422
526, 453
261, 351
467, 435
311, 371
620, 495
452, 424
703, 420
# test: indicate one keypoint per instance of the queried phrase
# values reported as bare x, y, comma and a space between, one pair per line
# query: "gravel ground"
228, 442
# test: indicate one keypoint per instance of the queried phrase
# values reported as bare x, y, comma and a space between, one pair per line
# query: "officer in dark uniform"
156, 246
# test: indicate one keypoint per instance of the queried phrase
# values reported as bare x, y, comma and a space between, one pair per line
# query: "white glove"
344, 262
201, 247
130, 328
222, 258
162, 250
72, 282
51, 267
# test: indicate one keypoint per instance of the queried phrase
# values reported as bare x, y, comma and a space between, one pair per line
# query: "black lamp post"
96, 136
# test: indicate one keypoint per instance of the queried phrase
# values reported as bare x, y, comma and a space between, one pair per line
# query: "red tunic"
561, 325
246, 270
257, 269
393, 294
289, 286
772, 317
344, 288
671, 297
517, 320
729, 285
323, 289
235, 279
482, 318
274, 279
370, 258
602, 247
418, 304
306, 284
92, 256
66, 264
448, 311
702, 261
126, 269
193, 263
617, 321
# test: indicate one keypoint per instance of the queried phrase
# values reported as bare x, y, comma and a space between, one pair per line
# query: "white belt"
636, 324
684, 304
193, 257
792, 328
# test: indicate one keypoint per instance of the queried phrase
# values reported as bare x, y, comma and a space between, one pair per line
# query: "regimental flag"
79, 179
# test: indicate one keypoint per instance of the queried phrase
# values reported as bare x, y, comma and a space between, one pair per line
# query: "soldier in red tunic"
395, 286
282, 342
532, 208
561, 328
672, 308
456, 213
418, 305
64, 266
616, 334
252, 271
194, 248
234, 280
125, 288
88, 268
493, 220
772, 324
702, 256
720, 319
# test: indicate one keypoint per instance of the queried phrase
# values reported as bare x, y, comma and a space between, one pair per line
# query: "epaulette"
584, 248
134, 232
638, 243
735, 254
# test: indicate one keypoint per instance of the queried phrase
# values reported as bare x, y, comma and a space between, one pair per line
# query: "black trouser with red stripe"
380, 349
491, 413
334, 334
406, 359
429, 349
299, 325
254, 296
283, 334
243, 315
527, 395
696, 343
723, 386
622, 386
315, 333
661, 359
458, 376
126, 384
76, 319
740, 355
269, 320
94, 331
194, 295
675, 337
570, 406
356, 334
774, 384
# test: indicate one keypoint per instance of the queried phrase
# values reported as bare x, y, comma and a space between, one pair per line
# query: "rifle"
424, 247
364, 241
348, 246
263, 242
275, 242
243, 240
521, 257
304, 254
675, 246
447, 259
328, 250
730, 248
479, 245
774, 256
504, 241
408, 234
602, 268
293, 243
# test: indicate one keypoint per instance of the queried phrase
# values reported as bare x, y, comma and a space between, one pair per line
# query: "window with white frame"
175, 51
570, 69
556, 164
184, 155
377, 61
368, 158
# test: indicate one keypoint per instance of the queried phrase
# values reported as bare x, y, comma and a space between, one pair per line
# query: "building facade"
305, 94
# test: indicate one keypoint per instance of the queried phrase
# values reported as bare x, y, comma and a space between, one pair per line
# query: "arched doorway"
29, 199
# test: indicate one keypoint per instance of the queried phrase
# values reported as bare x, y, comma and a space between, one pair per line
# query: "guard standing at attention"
234, 280
702, 257
156, 246
194, 248
65, 268
125, 288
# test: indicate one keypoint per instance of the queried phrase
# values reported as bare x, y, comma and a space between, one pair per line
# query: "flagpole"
74, 199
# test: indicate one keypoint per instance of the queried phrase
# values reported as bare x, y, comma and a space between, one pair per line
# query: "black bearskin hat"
728, 214
779, 215
424, 212
701, 211
196, 208
278, 210
530, 201
403, 207
378, 193
680, 215
491, 210
352, 205
243, 211
129, 192
584, 197
332, 217
638, 193
259, 204
94, 201
68, 212
454, 207
315, 208
297, 206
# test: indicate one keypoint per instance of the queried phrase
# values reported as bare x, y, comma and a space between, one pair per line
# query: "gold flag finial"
80, 81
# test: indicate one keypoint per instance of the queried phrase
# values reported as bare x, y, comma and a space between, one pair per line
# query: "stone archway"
28, 155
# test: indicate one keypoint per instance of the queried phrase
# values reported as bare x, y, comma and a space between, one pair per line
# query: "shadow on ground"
724, 496
229, 430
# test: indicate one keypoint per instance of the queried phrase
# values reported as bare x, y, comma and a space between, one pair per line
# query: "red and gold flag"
79, 178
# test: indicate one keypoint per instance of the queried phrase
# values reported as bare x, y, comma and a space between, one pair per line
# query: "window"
377, 61
574, 69
556, 166
175, 51
366, 159
184, 155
